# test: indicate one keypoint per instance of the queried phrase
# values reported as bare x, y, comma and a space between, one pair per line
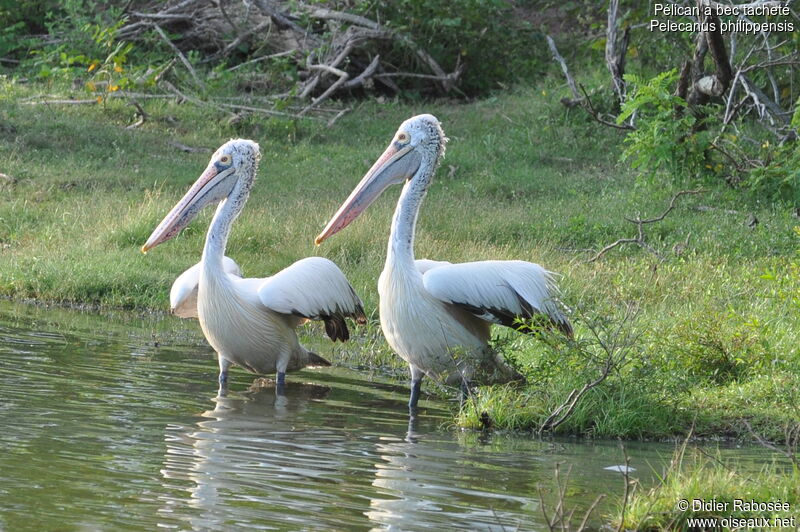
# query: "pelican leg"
280, 382
224, 364
416, 385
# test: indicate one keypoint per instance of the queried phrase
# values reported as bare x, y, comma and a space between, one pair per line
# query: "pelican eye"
402, 138
225, 159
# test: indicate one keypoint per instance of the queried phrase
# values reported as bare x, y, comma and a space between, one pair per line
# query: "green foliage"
18, 20
698, 476
84, 30
713, 348
484, 37
665, 140
779, 179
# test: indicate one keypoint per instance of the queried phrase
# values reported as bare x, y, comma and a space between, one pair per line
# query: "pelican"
437, 315
251, 322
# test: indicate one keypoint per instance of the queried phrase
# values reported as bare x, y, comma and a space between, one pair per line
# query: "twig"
180, 55
626, 493
62, 102
366, 74
591, 510
708, 208
763, 103
592, 111
764, 443
256, 110
262, 58
561, 518
162, 16
338, 116
343, 76
237, 41
283, 21
615, 345
196, 101
187, 149
84, 102
139, 112
640, 239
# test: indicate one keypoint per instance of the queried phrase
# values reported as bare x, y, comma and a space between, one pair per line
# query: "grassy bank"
701, 487
713, 338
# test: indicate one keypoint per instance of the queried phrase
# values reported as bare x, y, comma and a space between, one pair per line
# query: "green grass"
523, 178
697, 477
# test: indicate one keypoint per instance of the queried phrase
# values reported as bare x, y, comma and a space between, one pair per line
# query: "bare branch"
262, 58
338, 116
615, 344
365, 75
238, 40
640, 239
763, 103
592, 111
788, 453
343, 76
570, 80
615, 58
180, 55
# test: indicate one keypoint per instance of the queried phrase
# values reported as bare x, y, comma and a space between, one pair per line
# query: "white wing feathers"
423, 265
183, 295
314, 288
498, 291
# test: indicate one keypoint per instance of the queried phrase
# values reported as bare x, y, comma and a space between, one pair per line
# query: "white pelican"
437, 315
251, 322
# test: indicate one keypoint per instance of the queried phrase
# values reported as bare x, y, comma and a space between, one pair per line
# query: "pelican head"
412, 156
234, 160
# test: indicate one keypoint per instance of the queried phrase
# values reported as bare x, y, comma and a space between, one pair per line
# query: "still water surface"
113, 423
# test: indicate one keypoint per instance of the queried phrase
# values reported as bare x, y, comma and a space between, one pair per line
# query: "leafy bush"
665, 139
483, 36
714, 348
779, 179
21, 18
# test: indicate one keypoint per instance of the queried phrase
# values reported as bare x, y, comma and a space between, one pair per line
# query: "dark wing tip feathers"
536, 320
359, 315
336, 328
566, 328
316, 360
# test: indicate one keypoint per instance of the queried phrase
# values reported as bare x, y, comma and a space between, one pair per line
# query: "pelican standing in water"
437, 315
251, 322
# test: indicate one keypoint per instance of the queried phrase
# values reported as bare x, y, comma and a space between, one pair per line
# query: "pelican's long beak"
393, 167
186, 209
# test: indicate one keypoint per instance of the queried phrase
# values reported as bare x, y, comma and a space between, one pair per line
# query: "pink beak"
186, 209
393, 167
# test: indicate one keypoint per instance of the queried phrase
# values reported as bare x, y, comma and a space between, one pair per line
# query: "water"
113, 423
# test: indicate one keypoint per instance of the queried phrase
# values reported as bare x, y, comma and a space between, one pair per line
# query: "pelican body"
437, 315
251, 322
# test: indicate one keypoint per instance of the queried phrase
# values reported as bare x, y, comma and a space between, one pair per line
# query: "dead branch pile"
332, 51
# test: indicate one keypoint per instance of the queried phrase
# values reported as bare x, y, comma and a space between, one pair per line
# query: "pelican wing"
498, 291
423, 265
183, 295
314, 288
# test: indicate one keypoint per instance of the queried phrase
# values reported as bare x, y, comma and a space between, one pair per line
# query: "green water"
113, 423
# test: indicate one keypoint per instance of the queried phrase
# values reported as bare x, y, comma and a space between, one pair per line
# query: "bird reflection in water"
223, 460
